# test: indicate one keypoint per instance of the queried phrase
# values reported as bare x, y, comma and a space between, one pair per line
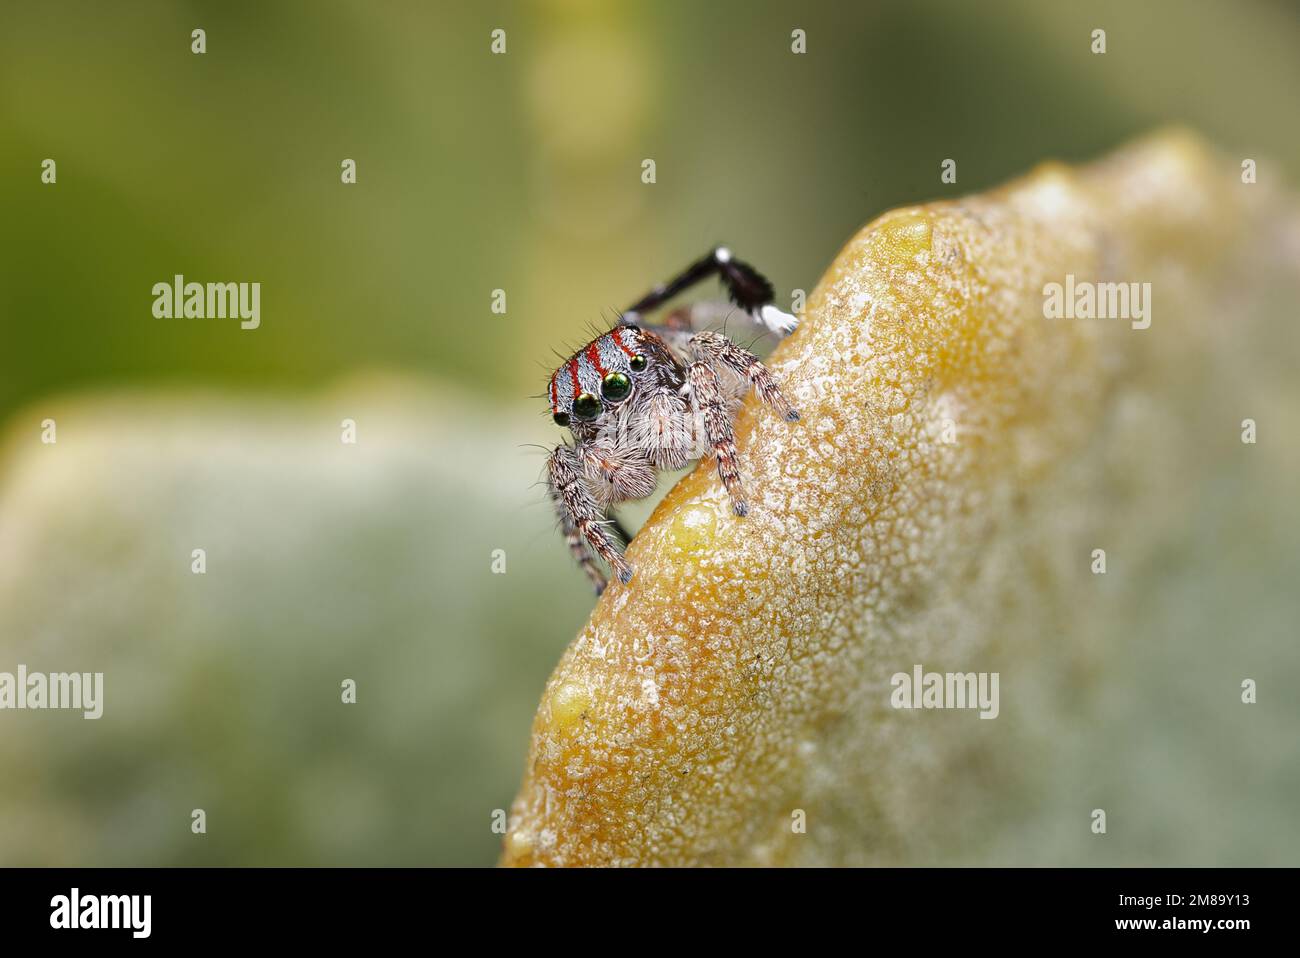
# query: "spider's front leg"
581, 519
709, 398
716, 348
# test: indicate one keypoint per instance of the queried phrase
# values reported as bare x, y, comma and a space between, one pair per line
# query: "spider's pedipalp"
615, 474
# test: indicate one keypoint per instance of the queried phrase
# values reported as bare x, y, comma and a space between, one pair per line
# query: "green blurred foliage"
522, 171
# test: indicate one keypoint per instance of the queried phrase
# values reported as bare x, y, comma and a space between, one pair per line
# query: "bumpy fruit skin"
743, 678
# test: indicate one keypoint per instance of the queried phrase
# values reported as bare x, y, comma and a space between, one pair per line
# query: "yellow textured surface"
742, 676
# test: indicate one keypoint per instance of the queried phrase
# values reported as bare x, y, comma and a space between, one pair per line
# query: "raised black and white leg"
746, 287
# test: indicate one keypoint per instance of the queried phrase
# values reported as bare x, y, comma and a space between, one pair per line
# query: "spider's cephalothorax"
641, 398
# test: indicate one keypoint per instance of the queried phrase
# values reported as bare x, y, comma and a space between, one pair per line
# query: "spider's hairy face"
610, 380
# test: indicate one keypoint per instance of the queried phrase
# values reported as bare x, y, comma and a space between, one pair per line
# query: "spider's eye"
561, 418
615, 387
637, 363
586, 407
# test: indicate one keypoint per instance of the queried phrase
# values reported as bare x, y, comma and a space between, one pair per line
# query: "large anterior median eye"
615, 387
586, 407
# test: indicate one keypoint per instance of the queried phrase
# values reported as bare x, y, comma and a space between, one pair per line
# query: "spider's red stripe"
555, 399
617, 336
593, 356
573, 374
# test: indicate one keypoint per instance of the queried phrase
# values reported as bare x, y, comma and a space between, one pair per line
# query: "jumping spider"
642, 398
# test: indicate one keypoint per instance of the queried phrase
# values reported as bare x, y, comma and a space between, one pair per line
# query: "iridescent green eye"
637, 363
561, 418
586, 407
615, 386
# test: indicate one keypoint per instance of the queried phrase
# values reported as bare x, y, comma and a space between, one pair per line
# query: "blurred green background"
475, 172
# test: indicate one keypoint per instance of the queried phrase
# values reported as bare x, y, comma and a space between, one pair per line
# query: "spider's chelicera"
643, 397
